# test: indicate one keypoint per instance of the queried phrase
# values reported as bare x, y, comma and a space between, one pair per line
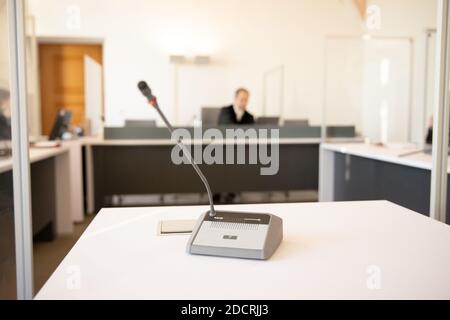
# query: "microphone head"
145, 89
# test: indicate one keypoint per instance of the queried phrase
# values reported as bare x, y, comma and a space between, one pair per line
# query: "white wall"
244, 39
344, 75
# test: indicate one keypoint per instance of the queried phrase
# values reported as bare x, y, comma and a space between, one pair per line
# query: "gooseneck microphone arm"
146, 91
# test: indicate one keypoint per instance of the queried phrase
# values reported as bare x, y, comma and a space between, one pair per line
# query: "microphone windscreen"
145, 89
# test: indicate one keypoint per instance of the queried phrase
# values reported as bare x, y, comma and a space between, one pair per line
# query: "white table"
328, 151
357, 250
400, 173
35, 156
68, 184
407, 156
91, 142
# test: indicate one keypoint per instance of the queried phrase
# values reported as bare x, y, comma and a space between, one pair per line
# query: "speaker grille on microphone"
235, 226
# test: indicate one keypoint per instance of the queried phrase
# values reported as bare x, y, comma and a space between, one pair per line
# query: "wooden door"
62, 80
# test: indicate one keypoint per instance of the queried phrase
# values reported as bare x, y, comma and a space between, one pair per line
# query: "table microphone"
147, 92
224, 233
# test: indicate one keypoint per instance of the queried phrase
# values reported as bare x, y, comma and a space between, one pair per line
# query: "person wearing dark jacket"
5, 122
237, 113
429, 138
5, 128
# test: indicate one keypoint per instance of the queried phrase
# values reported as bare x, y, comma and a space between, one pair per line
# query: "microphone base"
241, 235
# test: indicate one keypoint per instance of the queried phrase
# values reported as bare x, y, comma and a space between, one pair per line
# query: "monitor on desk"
61, 125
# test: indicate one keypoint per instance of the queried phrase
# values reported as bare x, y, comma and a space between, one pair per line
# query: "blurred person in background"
5, 115
237, 113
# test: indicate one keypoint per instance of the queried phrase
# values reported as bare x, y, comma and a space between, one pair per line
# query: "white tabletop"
36, 154
96, 141
357, 250
395, 154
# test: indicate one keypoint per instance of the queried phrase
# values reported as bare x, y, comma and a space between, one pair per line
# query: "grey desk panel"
125, 170
286, 132
358, 178
43, 216
43, 199
354, 178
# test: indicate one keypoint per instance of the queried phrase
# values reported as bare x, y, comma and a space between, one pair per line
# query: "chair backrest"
210, 116
140, 123
268, 120
297, 122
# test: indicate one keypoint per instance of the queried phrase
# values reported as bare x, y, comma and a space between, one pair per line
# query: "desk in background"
142, 167
137, 161
358, 171
56, 189
330, 251
56, 200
